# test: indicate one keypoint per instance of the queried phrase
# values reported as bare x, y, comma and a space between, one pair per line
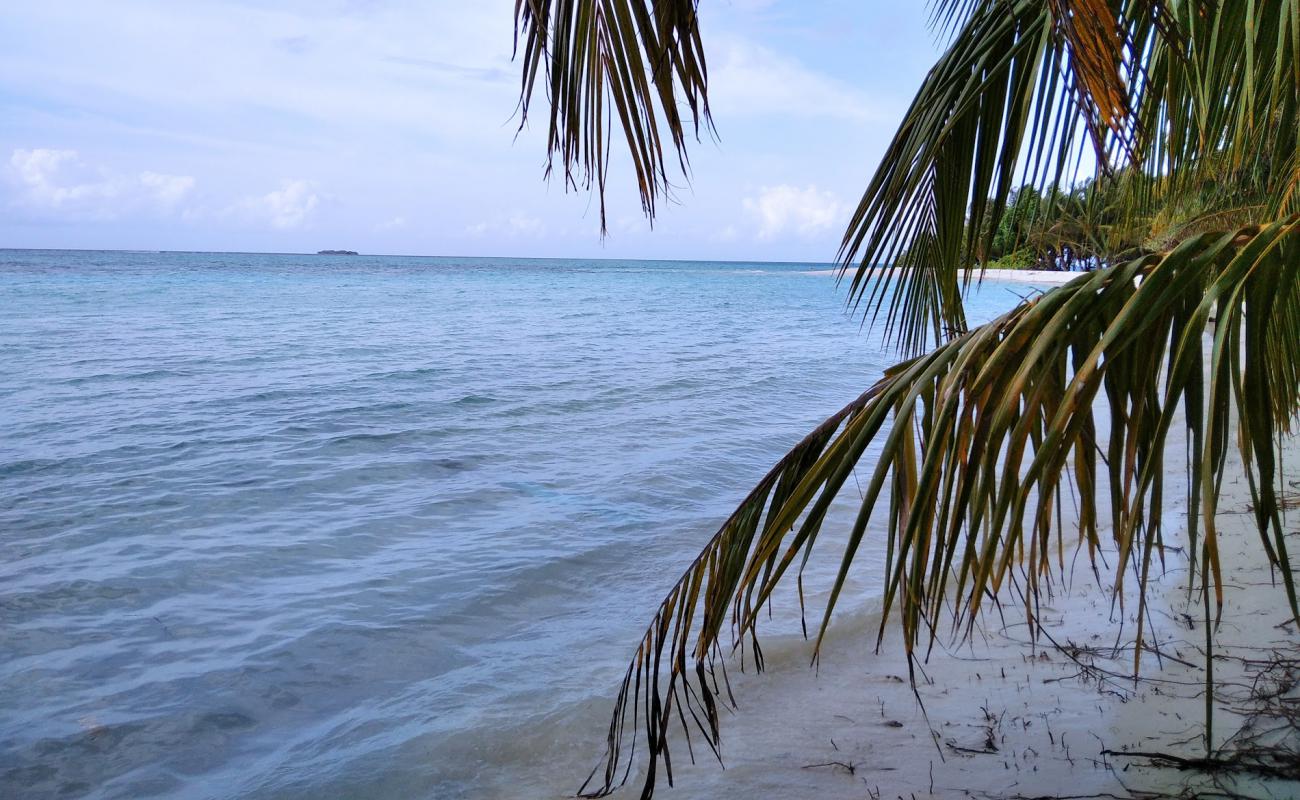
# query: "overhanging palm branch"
980, 441
633, 60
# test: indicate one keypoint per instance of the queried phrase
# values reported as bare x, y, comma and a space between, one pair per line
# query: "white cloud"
516, 225
751, 79
728, 233
393, 224
44, 180
167, 189
285, 208
779, 209
524, 224
58, 180
628, 224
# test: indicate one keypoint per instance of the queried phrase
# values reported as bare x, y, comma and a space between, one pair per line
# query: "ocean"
281, 526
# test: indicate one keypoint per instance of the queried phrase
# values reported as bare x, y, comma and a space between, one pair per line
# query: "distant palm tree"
985, 429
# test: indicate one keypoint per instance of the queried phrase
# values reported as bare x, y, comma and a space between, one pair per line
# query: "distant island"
336, 252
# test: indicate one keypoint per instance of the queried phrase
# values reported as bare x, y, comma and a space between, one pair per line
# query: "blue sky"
387, 126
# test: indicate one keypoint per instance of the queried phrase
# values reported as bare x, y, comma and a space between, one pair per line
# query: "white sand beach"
1003, 717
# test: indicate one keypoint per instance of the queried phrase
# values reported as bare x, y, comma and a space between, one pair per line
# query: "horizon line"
833, 264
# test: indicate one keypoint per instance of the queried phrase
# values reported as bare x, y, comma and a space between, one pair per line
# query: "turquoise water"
283, 526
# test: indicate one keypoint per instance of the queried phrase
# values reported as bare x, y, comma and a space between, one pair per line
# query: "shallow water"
286, 526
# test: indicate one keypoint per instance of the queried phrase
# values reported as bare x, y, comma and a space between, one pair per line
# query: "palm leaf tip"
976, 445
639, 63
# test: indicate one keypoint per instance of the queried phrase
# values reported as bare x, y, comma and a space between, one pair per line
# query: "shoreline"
1039, 276
999, 716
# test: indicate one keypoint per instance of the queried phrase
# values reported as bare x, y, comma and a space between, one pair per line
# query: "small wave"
410, 374
147, 375
29, 466
456, 464
363, 438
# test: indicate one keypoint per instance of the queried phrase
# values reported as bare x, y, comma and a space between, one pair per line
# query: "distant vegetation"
1118, 218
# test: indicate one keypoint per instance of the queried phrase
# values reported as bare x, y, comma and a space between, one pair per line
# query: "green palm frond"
1182, 92
638, 62
1023, 90
1226, 95
976, 445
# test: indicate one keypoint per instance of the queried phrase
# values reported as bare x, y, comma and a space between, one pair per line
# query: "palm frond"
638, 61
978, 443
1186, 93
1223, 94
1008, 103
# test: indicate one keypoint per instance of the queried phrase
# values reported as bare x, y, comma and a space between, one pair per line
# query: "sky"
390, 126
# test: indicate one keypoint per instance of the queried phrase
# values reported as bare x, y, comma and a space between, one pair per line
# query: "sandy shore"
1036, 276
1003, 718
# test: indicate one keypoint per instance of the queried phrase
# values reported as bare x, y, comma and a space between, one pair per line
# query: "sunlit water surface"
293, 526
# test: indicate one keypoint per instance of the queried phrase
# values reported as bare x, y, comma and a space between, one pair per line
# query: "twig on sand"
850, 766
1234, 763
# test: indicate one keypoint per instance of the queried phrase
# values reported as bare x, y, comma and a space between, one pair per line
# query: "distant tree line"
1111, 219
